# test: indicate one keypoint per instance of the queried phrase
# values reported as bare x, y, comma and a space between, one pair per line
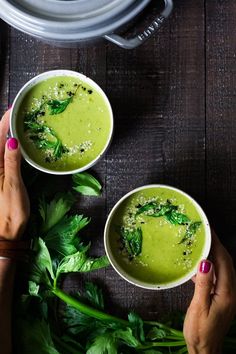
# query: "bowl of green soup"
63, 120
155, 237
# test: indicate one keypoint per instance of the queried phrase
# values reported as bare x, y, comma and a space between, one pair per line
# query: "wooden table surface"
174, 100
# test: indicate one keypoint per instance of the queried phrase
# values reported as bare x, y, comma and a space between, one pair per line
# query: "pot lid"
69, 19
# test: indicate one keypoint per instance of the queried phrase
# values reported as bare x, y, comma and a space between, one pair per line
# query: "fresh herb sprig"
168, 210
82, 325
131, 240
44, 137
58, 106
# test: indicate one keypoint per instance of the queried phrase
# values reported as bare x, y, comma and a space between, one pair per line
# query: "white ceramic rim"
137, 282
34, 81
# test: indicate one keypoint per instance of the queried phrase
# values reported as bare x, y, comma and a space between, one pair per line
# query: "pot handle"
146, 34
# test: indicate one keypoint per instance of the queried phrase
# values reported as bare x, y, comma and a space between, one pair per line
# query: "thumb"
204, 284
12, 161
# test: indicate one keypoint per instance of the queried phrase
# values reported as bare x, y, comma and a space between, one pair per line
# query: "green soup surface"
63, 123
157, 235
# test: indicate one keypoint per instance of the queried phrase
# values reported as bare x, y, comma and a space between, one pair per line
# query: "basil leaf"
191, 230
176, 218
58, 106
149, 206
86, 184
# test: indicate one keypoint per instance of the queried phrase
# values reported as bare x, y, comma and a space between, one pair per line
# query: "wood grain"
174, 108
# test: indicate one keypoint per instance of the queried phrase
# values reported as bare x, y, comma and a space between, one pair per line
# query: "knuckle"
229, 301
11, 160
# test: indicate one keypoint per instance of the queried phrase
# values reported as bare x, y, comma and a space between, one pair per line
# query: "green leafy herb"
58, 106
176, 218
94, 295
157, 333
132, 240
41, 269
111, 340
46, 139
63, 237
85, 326
52, 212
191, 230
35, 335
137, 325
146, 207
168, 210
86, 184
80, 262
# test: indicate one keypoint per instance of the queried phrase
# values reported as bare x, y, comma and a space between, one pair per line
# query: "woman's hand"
213, 305
14, 201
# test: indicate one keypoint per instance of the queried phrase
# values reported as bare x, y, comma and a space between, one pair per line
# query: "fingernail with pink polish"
205, 267
12, 143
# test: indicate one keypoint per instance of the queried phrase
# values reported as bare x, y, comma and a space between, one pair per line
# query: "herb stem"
182, 350
162, 344
85, 309
160, 325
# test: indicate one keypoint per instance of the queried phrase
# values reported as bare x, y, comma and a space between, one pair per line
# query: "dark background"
174, 101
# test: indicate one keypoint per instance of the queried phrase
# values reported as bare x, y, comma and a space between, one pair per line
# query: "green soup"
157, 236
63, 123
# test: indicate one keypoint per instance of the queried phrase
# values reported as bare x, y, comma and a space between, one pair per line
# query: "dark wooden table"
174, 100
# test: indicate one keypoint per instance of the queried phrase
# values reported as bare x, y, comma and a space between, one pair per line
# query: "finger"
224, 269
203, 285
4, 128
12, 161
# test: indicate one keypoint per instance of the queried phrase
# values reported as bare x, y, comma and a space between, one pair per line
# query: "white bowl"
147, 285
42, 77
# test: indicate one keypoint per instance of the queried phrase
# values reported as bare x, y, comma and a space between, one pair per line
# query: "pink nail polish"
12, 143
205, 267
10, 106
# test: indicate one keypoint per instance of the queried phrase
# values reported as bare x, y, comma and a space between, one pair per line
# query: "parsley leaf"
58, 106
62, 237
41, 271
109, 341
80, 262
36, 335
136, 323
86, 184
55, 210
94, 295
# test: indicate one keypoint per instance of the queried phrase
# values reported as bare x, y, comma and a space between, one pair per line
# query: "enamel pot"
70, 23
